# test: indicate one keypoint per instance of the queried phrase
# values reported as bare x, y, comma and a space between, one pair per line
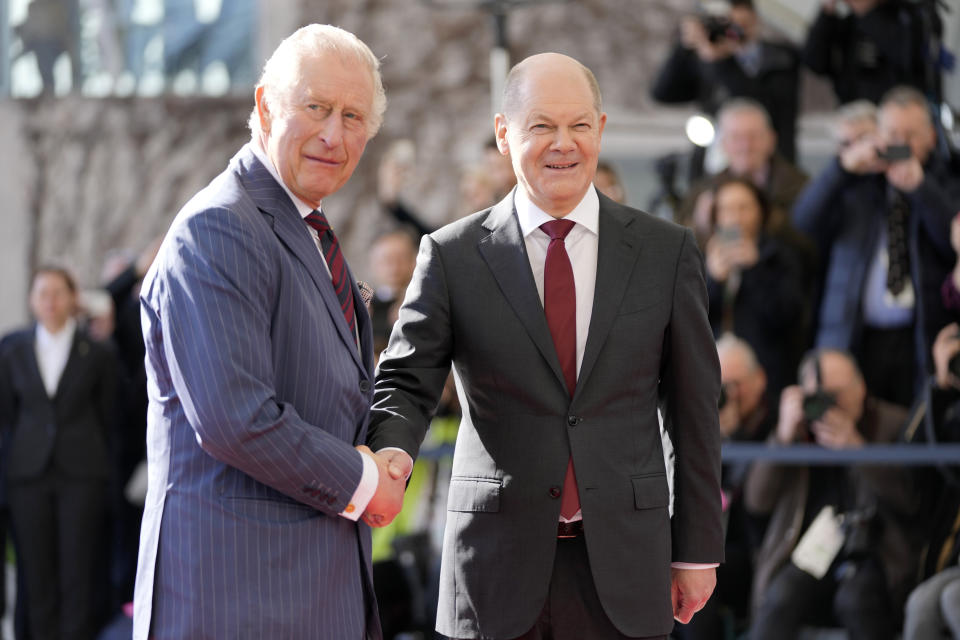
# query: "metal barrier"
813, 454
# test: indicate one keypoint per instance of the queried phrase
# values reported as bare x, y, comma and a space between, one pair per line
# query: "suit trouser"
573, 610
58, 524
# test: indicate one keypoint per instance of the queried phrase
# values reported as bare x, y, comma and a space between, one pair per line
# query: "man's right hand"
391, 483
862, 157
945, 347
790, 423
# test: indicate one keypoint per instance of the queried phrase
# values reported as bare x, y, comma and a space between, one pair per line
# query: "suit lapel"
79, 349
506, 256
29, 363
617, 254
274, 202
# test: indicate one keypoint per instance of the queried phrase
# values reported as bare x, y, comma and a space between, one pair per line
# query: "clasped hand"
393, 467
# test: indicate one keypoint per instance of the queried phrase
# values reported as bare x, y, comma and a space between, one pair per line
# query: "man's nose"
331, 131
563, 140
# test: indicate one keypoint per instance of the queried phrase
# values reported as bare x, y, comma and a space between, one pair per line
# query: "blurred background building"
114, 112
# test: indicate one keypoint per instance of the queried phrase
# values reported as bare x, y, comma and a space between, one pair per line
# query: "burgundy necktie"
560, 305
338, 268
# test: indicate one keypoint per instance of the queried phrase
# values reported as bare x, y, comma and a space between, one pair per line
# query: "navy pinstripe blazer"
258, 394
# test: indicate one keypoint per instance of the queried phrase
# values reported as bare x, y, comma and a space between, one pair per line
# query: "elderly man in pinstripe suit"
259, 365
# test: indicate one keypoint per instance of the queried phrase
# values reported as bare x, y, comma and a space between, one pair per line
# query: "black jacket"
867, 55
685, 78
71, 430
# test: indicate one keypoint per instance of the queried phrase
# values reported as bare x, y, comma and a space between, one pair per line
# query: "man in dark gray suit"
569, 320
260, 377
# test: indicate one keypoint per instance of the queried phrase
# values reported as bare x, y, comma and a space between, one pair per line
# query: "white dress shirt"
370, 478
53, 351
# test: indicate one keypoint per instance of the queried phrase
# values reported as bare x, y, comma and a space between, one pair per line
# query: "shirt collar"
65, 334
302, 207
586, 213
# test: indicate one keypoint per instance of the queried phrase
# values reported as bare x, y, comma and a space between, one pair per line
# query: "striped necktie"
338, 267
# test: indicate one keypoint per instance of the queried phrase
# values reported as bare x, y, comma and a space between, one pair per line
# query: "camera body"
895, 153
954, 365
816, 404
721, 27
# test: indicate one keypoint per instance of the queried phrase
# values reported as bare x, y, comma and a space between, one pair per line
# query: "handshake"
393, 467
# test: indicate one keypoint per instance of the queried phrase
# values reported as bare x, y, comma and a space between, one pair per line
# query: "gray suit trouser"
934, 607
573, 610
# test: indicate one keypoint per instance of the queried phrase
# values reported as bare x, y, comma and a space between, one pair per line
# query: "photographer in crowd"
814, 562
880, 216
746, 415
754, 281
720, 55
873, 46
933, 608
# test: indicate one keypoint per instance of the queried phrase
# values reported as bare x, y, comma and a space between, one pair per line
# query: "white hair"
728, 344
281, 71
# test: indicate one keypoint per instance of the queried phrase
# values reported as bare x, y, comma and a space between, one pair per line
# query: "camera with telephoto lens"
721, 27
816, 404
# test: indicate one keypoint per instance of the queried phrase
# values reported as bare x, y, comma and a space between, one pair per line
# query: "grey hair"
511, 87
729, 343
742, 105
856, 111
904, 96
280, 73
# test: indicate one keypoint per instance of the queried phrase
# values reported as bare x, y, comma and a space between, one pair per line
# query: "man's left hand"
689, 591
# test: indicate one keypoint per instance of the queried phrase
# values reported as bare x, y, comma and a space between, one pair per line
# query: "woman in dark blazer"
755, 282
57, 389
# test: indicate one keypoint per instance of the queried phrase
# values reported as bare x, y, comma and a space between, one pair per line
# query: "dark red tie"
338, 268
560, 305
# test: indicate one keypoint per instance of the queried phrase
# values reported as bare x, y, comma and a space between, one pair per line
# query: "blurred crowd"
834, 298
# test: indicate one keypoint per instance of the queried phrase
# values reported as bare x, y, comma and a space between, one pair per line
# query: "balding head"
555, 65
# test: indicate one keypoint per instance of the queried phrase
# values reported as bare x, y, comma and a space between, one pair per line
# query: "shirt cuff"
694, 565
365, 490
409, 459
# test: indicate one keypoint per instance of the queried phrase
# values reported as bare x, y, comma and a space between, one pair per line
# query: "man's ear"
500, 131
263, 112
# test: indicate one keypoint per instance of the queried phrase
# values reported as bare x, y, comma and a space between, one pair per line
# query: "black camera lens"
816, 404
954, 365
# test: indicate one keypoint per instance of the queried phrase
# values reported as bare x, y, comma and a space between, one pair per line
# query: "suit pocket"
474, 495
640, 301
650, 491
268, 511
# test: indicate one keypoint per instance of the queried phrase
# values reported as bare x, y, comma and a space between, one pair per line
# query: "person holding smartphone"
755, 282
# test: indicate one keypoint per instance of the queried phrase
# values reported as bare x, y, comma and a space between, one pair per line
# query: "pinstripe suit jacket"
258, 395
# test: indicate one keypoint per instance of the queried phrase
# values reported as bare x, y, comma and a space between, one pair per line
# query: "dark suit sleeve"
217, 287
818, 50
938, 204
414, 367
679, 78
689, 391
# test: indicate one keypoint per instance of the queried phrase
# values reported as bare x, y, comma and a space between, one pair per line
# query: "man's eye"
582, 126
540, 127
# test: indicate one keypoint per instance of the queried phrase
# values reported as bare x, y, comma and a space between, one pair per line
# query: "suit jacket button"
573, 420
554, 492
364, 385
